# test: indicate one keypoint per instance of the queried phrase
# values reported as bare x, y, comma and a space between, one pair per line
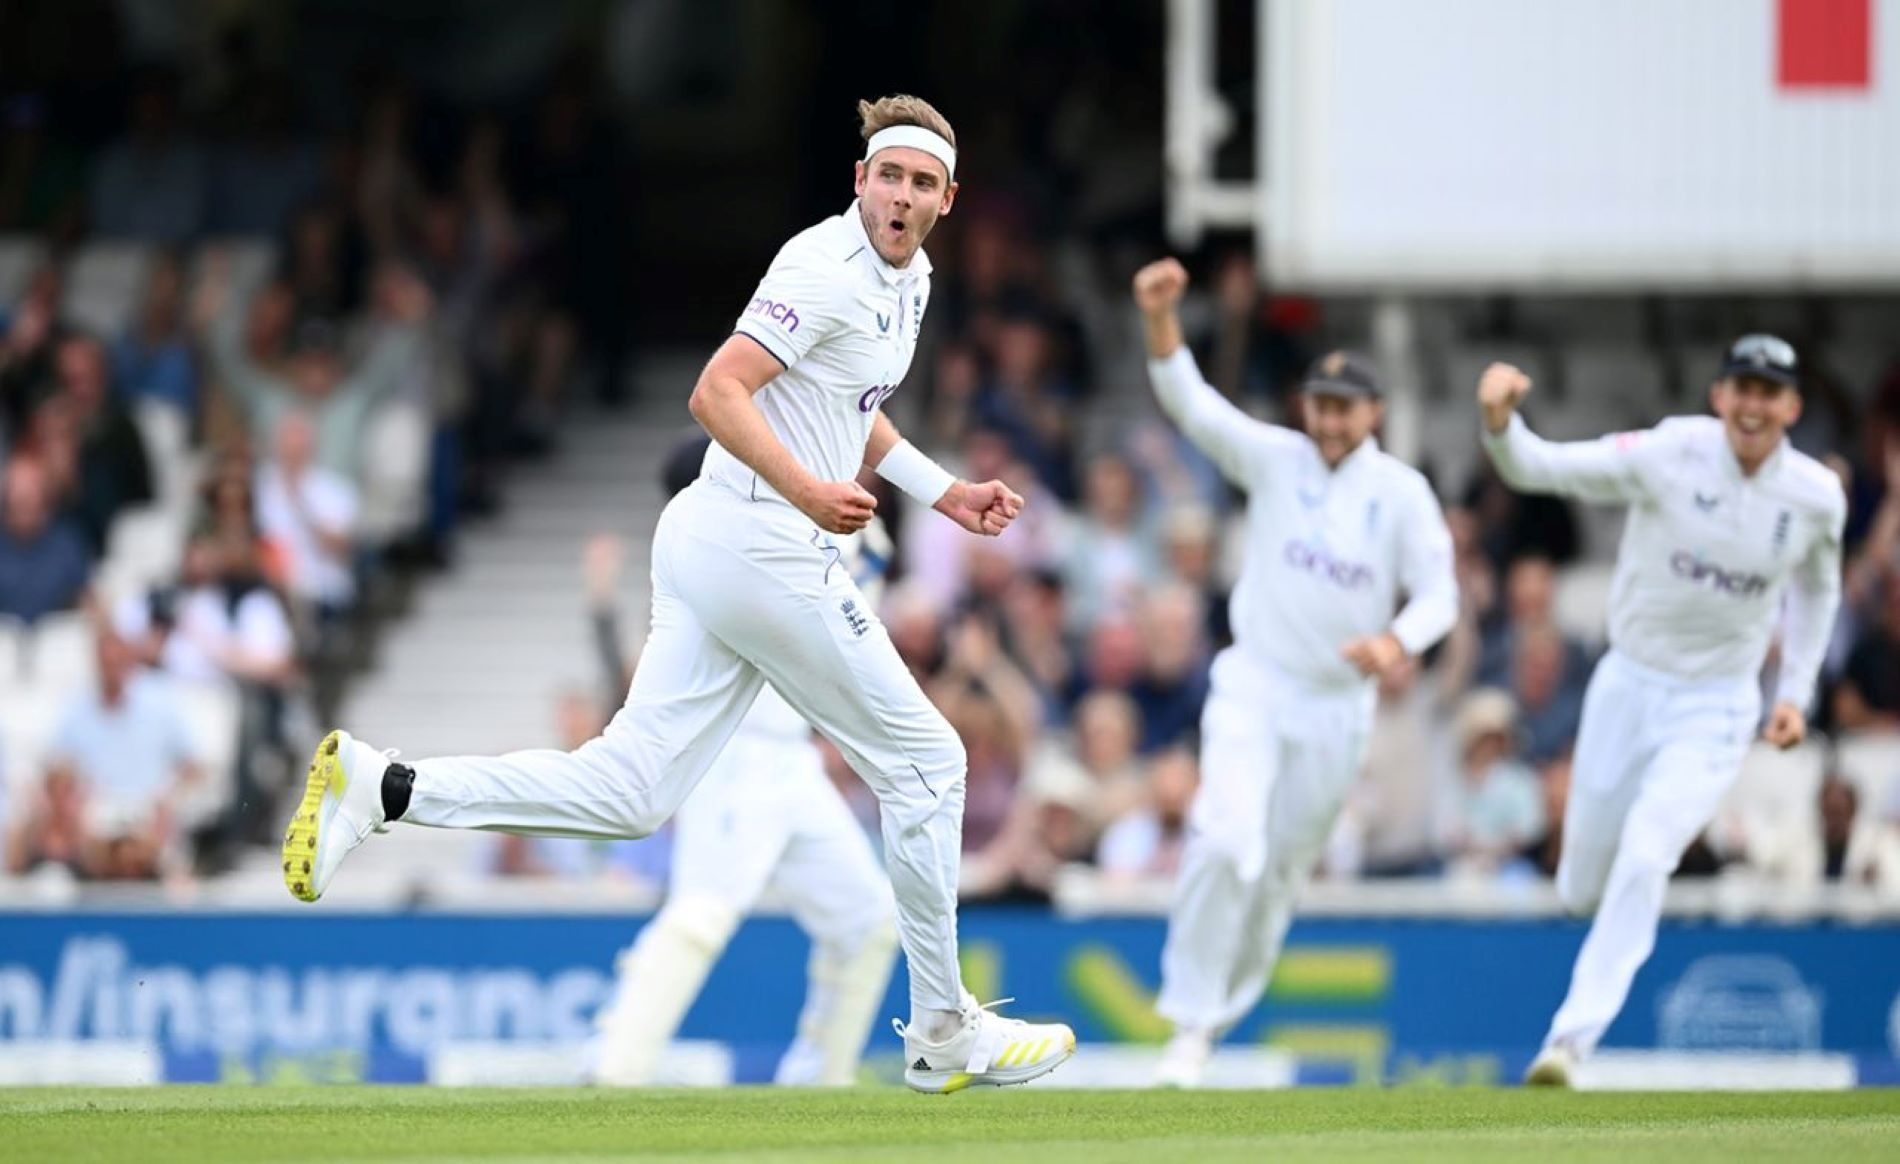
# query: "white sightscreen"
1580, 143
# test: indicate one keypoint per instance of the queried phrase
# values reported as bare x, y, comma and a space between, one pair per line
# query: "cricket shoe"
1184, 1060
987, 1051
1554, 1067
342, 805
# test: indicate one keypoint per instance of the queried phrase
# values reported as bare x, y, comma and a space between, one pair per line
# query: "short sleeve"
796, 304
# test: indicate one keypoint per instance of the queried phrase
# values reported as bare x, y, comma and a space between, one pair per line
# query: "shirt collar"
1358, 456
1733, 465
895, 276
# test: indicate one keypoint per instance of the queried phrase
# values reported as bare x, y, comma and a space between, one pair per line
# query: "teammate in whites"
750, 588
1725, 521
1336, 531
765, 815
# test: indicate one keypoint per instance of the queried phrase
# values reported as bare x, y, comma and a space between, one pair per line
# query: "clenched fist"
1500, 389
1159, 286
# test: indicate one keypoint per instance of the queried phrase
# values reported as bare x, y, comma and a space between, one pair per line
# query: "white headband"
917, 138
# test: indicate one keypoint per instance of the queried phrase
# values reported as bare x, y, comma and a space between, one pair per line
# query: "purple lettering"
875, 396
1702, 572
772, 309
1315, 560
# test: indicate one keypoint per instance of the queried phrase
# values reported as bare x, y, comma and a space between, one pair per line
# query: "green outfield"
208, 1125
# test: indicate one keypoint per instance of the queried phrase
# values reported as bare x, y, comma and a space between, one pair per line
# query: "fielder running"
749, 589
765, 815
1725, 519
1336, 530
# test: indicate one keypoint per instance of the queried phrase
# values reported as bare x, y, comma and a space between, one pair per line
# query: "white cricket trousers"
1655, 755
1278, 757
746, 592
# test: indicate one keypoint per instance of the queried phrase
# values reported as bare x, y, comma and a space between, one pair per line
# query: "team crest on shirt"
1782, 521
1372, 515
855, 618
1707, 502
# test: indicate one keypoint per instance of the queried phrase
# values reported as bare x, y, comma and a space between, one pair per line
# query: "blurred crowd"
1072, 653
251, 385
256, 381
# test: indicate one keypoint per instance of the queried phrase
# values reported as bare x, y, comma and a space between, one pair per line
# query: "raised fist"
1159, 286
1500, 389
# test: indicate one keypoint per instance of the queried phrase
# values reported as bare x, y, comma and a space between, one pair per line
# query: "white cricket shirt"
1708, 553
844, 323
1329, 550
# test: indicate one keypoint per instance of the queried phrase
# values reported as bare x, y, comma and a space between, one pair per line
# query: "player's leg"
1614, 746
1320, 761
688, 695
1612, 749
725, 847
831, 879
1222, 871
834, 662
1681, 787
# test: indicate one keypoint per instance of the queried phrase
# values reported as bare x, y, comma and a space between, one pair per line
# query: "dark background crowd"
291, 295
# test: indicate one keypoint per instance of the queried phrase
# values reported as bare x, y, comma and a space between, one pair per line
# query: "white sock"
935, 1025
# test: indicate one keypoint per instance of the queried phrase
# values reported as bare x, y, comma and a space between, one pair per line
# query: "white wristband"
906, 467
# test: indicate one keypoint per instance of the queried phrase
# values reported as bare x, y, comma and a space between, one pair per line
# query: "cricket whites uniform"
765, 815
1707, 557
747, 591
1284, 732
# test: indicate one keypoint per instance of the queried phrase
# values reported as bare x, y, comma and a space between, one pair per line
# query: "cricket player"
764, 815
1336, 531
1726, 520
750, 588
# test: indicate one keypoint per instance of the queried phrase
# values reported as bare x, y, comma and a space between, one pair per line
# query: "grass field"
208, 1125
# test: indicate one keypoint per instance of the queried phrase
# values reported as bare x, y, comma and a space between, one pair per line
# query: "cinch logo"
775, 311
1317, 561
1702, 571
875, 396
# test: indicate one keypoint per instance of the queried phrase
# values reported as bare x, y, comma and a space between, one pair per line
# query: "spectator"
1549, 695
1554, 783
125, 746
113, 469
1495, 809
44, 566
51, 830
1102, 774
994, 709
219, 622
1034, 615
151, 185
309, 512
1530, 603
340, 400
1117, 657
1147, 842
26, 354
1868, 697
1111, 554
1024, 401
1173, 684
154, 359
992, 737
1840, 804
1191, 541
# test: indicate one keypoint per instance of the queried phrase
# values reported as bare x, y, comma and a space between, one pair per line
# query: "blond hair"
903, 109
